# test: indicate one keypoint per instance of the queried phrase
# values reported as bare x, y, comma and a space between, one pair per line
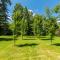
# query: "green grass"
30, 48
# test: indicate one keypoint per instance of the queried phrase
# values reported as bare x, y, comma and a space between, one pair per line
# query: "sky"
37, 6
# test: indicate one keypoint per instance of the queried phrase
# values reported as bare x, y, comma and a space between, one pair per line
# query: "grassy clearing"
26, 49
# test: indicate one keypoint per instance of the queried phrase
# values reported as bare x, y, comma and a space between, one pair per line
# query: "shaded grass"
24, 45
46, 39
6, 39
57, 44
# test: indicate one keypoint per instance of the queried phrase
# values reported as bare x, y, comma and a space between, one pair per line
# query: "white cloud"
10, 18
30, 10
34, 14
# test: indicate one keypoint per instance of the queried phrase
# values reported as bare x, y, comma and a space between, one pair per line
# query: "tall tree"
52, 24
28, 18
17, 18
3, 8
3, 13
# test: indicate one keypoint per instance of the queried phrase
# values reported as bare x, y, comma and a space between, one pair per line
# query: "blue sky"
37, 6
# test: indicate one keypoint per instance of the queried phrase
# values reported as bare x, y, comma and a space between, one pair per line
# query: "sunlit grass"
34, 49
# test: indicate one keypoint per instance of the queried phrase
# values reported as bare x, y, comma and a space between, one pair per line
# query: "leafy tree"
28, 16
17, 17
22, 20
17, 20
52, 24
45, 26
38, 24
27, 24
53, 27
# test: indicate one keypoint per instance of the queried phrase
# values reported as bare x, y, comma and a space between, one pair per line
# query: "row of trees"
26, 23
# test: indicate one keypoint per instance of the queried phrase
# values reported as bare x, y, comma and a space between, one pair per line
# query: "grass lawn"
30, 48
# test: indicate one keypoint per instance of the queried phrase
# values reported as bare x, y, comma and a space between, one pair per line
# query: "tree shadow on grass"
29, 39
24, 45
42, 37
46, 39
6, 39
56, 44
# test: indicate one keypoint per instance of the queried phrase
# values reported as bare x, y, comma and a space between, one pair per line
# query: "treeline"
25, 22
28, 23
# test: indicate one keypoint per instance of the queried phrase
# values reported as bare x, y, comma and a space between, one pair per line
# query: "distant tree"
45, 26
38, 24
27, 16
53, 27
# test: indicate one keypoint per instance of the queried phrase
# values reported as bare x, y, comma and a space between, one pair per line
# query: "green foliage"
4, 28
38, 24
52, 25
22, 18
48, 12
17, 17
57, 8
27, 16
27, 24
